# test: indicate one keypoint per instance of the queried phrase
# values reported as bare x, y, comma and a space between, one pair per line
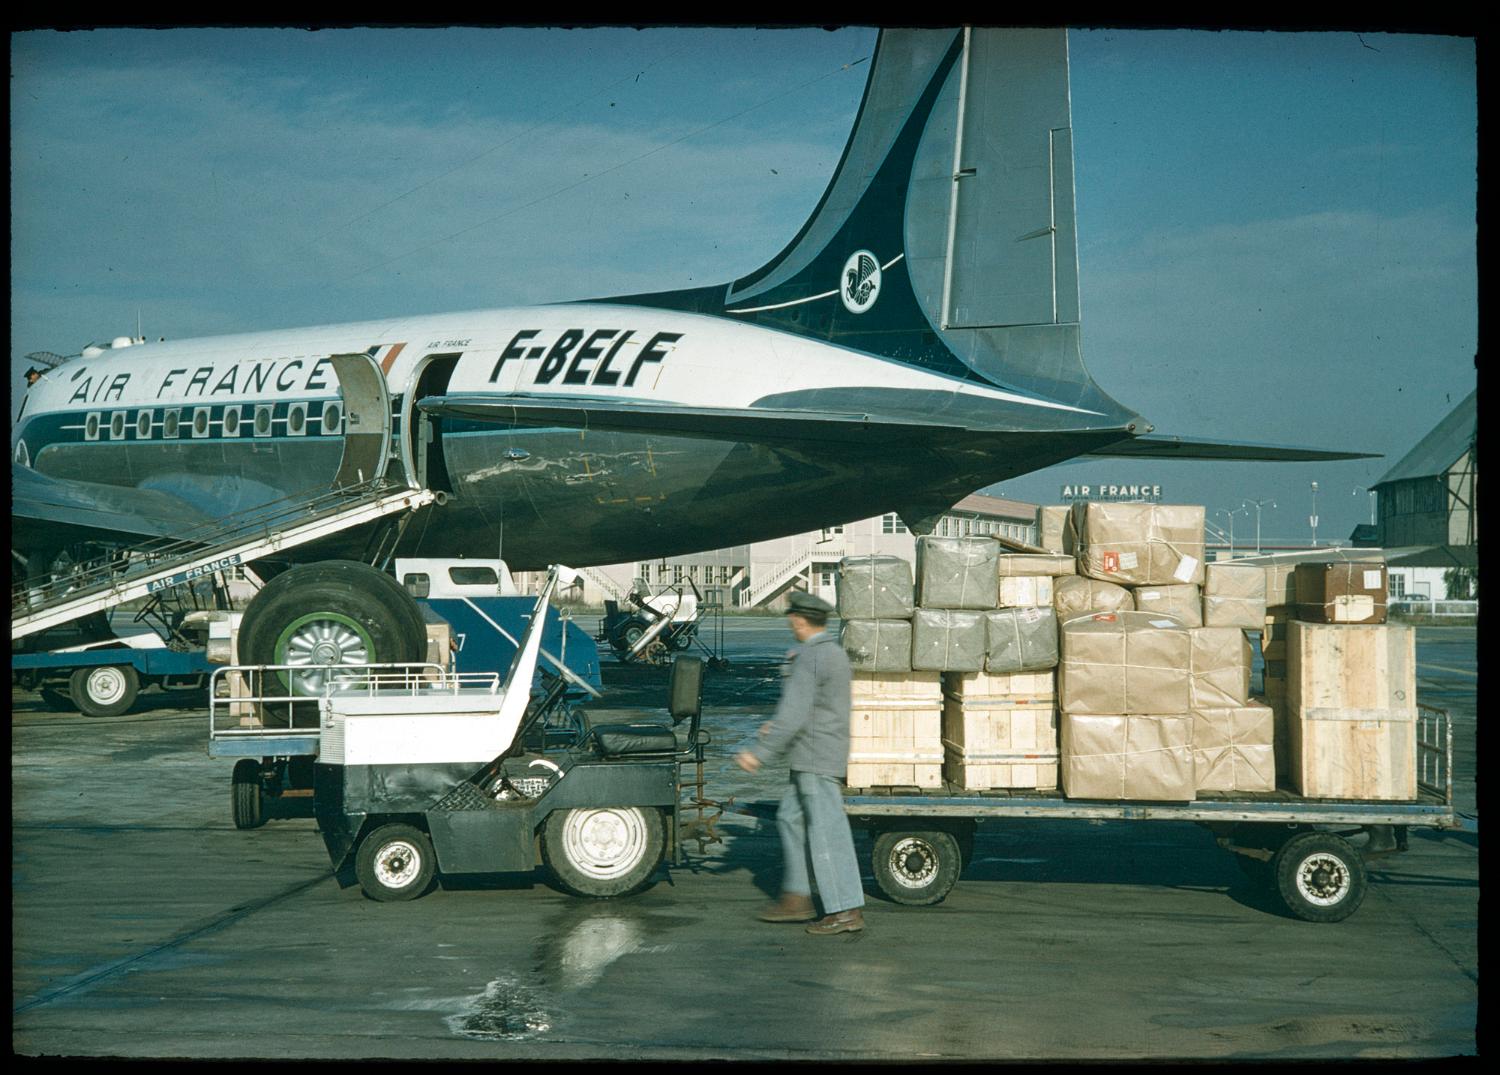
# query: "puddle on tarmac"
591, 945
505, 1011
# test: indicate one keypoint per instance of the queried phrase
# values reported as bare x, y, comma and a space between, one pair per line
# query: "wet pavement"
146, 925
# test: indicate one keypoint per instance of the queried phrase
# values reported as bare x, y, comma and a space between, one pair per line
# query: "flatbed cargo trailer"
1300, 847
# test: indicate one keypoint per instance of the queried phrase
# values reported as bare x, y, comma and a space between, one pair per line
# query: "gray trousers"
814, 828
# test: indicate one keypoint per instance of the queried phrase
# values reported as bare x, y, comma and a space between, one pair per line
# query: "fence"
1421, 606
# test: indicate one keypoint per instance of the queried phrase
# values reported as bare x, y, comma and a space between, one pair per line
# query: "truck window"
473, 576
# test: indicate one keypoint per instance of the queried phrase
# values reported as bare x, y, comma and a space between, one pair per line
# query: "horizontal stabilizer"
1224, 450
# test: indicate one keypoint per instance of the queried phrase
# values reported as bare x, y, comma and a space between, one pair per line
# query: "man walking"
811, 732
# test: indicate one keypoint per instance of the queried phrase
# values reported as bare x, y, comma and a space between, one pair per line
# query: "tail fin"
946, 238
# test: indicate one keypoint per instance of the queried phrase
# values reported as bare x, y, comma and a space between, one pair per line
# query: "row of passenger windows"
234, 422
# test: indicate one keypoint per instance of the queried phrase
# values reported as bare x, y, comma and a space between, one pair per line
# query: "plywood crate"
1351, 710
1025, 591
1274, 631
1000, 746
895, 730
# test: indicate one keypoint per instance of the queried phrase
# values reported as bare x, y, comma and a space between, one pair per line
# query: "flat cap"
800, 601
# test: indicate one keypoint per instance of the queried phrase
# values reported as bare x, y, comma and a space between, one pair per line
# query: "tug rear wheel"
395, 862
104, 690
607, 852
322, 616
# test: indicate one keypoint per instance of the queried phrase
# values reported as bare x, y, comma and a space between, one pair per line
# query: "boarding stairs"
150, 567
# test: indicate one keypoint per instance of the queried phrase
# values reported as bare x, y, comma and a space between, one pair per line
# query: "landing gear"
319, 617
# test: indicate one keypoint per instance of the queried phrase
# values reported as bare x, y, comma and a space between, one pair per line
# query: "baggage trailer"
1301, 848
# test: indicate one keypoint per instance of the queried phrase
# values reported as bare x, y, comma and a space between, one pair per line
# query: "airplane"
917, 339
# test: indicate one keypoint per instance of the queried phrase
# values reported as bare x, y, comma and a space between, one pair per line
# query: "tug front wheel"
395, 862
607, 852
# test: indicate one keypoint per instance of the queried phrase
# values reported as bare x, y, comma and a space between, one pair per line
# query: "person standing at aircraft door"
811, 732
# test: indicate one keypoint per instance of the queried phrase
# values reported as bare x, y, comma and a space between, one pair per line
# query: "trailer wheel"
395, 862
328, 614
628, 633
1320, 877
104, 690
917, 869
601, 853
245, 795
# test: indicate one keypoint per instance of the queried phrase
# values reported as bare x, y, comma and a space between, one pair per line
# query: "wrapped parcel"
1234, 595
1220, 667
1014, 564
1125, 663
1020, 640
1182, 602
875, 588
947, 640
1140, 544
1124, 756
1232, 749
1075, 595
877, 645
958, 573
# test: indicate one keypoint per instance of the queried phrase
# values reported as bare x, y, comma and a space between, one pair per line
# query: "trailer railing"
254, 701
1435, 752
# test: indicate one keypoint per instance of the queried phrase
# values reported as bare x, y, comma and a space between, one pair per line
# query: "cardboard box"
1220, 667
1234, 748
1234, 595
957, 573
875, 588
877, 645
1025, 591
1348, 592
1075, 595
947, 640
1140, 544
1125, 662
1352, 710
1021, 564
1182, 602
1124, 756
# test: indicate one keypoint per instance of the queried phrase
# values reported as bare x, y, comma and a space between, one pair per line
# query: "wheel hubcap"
1322, 879
322, 642
605, 844
913, 862
106, 686
398, 864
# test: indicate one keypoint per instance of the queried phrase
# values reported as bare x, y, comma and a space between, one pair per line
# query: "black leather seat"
617, 739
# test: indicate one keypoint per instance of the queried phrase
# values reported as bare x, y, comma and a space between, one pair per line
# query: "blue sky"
1276, 231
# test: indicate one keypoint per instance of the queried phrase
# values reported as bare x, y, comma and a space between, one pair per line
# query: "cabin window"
473, 576
231, 421
117, 426
171, 423
91, 426
200, 421
263, 419
143, 425
296, 419
417, 583
332, 416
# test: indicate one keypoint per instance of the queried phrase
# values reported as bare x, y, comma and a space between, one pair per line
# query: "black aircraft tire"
916, 869
247, 805
603, 853
334, 612
104, 690
395, 862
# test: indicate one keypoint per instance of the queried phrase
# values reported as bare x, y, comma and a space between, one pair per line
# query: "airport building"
759, 575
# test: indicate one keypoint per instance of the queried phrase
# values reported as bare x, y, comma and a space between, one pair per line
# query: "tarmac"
145, 925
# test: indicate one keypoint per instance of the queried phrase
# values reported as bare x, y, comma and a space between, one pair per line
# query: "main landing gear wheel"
1320, 877
105, 690
322, 616
607, 852
916, 868
246, 795
395, 862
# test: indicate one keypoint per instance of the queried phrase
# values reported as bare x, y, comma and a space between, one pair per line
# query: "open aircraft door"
367, 419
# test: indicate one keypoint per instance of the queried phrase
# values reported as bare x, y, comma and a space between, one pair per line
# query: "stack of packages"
1000, 722
1156, 701
896, 711
1343, 681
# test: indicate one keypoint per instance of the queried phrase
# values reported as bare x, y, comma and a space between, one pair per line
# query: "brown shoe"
792, 907
840, 922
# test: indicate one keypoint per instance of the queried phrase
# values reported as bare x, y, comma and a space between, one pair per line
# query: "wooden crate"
895, 774
896, 690
1019, 772
1038, 688
1026, 591
1351, 710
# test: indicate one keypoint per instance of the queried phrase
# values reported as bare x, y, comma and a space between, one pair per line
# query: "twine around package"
1125, 756
877, 645
958, 573
1140, 544
875, 588
1125, 662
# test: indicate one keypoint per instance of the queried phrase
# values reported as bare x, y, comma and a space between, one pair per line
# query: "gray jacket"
810, 730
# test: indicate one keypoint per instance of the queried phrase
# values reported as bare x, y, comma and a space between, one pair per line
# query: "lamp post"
1257, 504
1230, 515
1312, 520
1361, 489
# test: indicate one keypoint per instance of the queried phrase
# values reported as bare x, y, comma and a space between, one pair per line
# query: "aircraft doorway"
365, 421
425, 431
